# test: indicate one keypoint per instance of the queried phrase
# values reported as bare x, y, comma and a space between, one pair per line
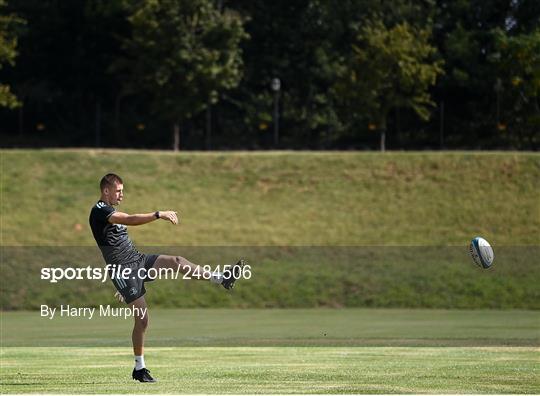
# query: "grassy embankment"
390, 230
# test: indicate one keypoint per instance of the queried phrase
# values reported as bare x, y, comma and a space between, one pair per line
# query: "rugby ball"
481, 252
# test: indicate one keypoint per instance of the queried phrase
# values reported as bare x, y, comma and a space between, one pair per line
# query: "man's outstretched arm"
143, 218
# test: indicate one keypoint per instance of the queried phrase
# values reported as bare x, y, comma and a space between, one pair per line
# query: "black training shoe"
231, 275
143, 375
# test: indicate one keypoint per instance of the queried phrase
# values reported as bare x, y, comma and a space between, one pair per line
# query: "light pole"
276, 87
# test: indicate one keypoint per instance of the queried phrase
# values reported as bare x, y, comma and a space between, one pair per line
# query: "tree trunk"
441, 127
382, 128
21, 118
398, 127
208, 137
176, 136
98, 124
276, 119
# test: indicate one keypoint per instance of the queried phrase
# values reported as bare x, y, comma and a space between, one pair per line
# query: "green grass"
271, 370
382, 230
282, 327
319, 229
299, 277
279, 198
278, 351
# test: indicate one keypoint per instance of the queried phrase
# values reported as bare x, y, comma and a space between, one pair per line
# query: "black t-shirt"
112, 239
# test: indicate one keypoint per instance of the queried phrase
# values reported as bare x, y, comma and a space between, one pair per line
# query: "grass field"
280, 198
278, 351
270, 370
322, 231
382, 230
296, 277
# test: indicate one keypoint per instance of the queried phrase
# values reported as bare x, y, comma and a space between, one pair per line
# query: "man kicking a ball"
110, 232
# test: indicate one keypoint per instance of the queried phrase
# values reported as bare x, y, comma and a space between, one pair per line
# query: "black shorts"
131, 287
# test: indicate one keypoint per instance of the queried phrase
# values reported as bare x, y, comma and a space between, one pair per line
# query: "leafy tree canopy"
8, 52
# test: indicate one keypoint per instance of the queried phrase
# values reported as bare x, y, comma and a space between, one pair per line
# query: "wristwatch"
157, 214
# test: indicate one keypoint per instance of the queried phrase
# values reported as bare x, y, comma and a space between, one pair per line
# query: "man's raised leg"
226, 279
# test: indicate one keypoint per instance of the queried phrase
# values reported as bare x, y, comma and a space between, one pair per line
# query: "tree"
61, 76
292, 41
389, 68
182, 54
301, 43
8, 52
465, 35
518, 65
